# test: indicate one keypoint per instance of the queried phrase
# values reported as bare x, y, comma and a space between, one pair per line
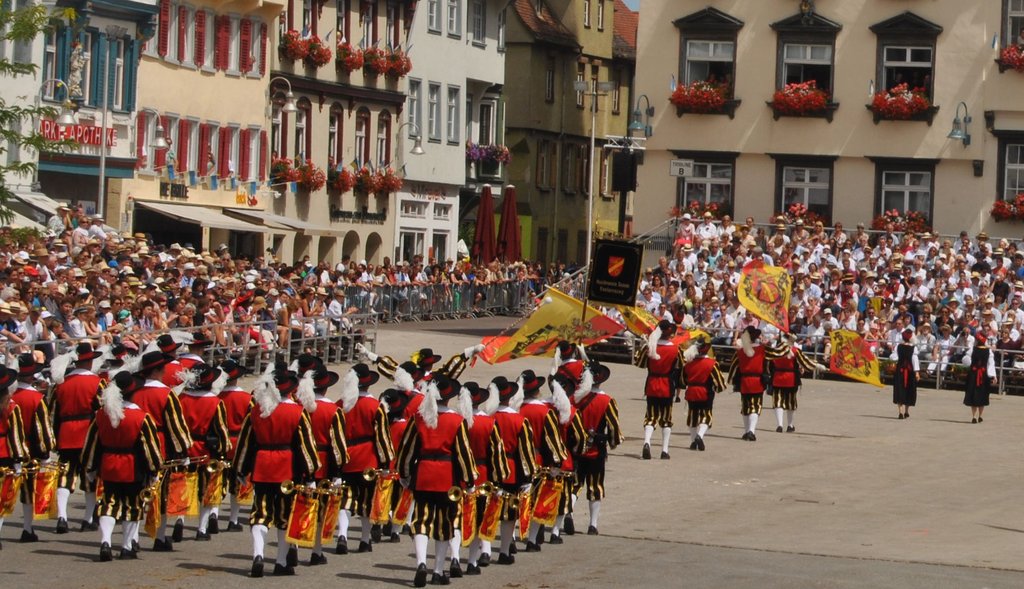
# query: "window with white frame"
342, 8
543, 163
452, 120
581, 72
253, 157
586, 13
502, 18
276, 134
600, 15
711, 182
307, 17
417, 210
187, 36
479, 22
234, 149
911, 65
233, 48
172, 33
709, 61
442, 212
333, 126
616, 91
434, 112
255, 47
362, 144
454, 18
366, 25
415, 102
1014, 18
117, 54
808, 186
439, 242
434, 15
803, 62
50, 63
300, 132
486, 134
410, 242
906, 190
1013, 171
193, 146
213, 165
210, 41
602, 178
389, 23
149, 133
384, 138
87, 66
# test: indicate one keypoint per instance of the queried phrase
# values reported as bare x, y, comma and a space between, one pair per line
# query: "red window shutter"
181, 32
284, 135
243, 154
313, 18
223, 37
373, 21
225, 152
245, 45
263, 49
160, 155
182, 148
291, 15
165, 22
308, 148
200, 49
263, 155
140, 140
204, 149
348, 20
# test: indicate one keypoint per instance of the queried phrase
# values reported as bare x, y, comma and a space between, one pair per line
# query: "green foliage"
23, 25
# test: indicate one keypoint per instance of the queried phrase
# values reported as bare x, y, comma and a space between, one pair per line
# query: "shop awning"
38, 201
19, 220
202, 216
271, 219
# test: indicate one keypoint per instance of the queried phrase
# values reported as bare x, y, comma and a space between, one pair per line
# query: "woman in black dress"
980, 378
908, 369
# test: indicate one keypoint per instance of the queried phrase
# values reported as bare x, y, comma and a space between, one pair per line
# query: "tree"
23, 25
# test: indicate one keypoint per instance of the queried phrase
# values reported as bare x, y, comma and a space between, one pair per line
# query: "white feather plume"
182, 337
403, 379
691, 351
12, 361
652, 344
188, 380
265, 392
294, 366
746, 344
113, 403
554, 365
465, 406
59, 366
131, 364
305, 394
150, 347
517, 399
582, 351
105, 354
349, 390
560, 400
221, 382
688, 323
490, 406
385, 406
428, 408
586, 381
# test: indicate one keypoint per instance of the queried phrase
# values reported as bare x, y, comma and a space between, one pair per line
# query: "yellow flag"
558, 317
853, 358
764, 291
638, 320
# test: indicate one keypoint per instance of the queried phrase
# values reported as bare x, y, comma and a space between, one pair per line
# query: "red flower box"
900, 103
1008, 210
375, 61
293, 46
398, 64
1012, 56
340, 181
365, 181
350, 58
701, 97
281, 171
800, 99
387, 182
909, 221
311, 178
317, 54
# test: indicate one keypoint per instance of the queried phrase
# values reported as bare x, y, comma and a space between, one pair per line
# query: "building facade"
202, 90
552, 44
895, 77
454, 108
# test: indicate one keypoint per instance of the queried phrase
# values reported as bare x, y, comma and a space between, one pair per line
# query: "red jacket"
659, 383
785, 372
118, 447
435, 471
171, 370
273, 437
74, 406
537, 414
480, 443
397, 431
697, 373
592, 411
12, 434
510, 425
573, 369
361, 432
322, 419
35, 419
199, 412
415, 400
237, 403
751, 371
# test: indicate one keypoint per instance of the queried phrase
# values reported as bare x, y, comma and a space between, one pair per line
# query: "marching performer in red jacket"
786, 381
13, 448
328, 422
205, 416
749, 371
274, 446
435, 457
237, 404
195, 346
76, 398
122, 449
166, 344
598, 419
395, 402
369, 446
703, 380
517, 437
38, 435
663, 362
164, 408
570, 361
562, 386
491, 462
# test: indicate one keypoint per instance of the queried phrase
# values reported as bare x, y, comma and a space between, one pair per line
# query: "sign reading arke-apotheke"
82, 134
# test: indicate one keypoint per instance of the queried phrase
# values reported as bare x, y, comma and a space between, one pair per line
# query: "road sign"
680, 168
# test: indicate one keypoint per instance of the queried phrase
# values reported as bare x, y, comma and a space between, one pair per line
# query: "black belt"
438, 457
77, 417
360, 440
274, 447
119, 450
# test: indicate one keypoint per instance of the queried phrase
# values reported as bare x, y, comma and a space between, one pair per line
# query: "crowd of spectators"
81, 281
877, 283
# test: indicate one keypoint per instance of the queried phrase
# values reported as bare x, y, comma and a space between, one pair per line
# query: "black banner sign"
615, 272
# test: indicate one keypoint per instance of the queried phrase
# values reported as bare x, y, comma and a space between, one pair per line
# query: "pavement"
854, 498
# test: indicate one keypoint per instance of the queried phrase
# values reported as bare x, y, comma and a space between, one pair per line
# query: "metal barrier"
397, 303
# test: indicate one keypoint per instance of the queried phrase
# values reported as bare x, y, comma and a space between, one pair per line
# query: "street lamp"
417, 146
596, 89
289, 98
67, 108
159, 141
636, 124
114, 32
959, 131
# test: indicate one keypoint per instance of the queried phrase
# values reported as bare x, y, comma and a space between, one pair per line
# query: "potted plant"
340, 180
350, 57
800, 100
317, 53
1008, 210
398, 64
293, 46
700, 97
908, 221
387, 182
901, 103
374, 61
1011, 57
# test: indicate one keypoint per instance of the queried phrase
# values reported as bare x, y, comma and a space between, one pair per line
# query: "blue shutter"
99, 68
131, 73
112, 55
63, 53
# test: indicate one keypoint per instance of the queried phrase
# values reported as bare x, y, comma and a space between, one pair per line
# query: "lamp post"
959, 130
113, 32
596, 89
417, 145
635, 125
67, 114
289, 98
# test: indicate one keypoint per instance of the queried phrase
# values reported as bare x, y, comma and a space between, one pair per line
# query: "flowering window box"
293, 46
1008, 210
375, 61
1011, 58
349, 57
900, 103
340, 180
704, 98
803, 99
317, 53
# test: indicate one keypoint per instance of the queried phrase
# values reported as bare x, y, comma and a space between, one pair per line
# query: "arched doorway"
350, 247
326, 251
373, 248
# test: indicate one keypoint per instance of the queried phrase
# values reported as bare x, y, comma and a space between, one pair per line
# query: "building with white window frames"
846, 161
452, 101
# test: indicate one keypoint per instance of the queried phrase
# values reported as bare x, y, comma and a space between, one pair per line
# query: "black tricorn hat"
531, 382
324, 379
397, 401
7, 377
128, 383
599, 371
506, 388
753, 332
366, 376
414, 370
233, 369
477, 393
427, 358
85, 352
27, 365
166, 343
307, 362
446, 387
152, 360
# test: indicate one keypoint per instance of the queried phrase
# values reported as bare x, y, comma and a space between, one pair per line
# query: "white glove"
366, 353
188, 461
336, 482
404, 483
17, 468
91, 476
472, 351
525, 488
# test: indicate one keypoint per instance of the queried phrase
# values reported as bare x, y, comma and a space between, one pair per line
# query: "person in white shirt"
707, 230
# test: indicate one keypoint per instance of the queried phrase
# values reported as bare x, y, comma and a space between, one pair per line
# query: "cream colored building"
843, 162
203, 79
